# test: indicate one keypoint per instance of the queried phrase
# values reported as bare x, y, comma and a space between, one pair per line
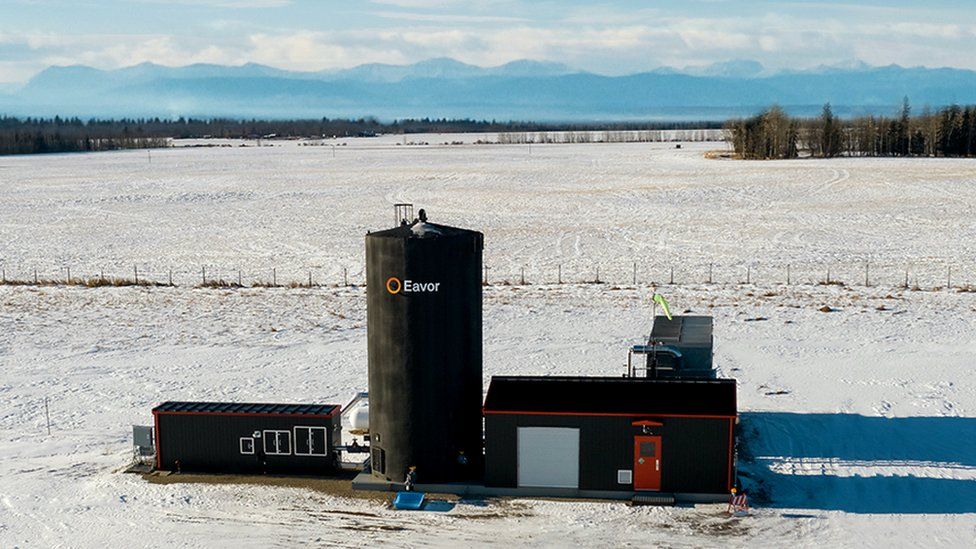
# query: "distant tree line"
772, 134
609, 136
50, 135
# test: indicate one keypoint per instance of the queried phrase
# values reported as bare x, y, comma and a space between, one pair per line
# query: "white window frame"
276, 433
251, 453
325, 440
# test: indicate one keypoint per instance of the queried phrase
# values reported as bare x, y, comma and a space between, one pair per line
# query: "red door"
647, 463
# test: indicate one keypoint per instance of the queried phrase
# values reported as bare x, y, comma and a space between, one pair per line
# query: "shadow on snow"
893, 465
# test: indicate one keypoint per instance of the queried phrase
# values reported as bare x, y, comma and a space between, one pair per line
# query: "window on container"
247, 445
310, 441
277, 443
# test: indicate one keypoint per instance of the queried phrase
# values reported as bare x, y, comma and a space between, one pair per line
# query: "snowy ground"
861, 422
584, 207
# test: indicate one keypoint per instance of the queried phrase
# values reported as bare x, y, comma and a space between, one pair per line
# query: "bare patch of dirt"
718, 524
339, 485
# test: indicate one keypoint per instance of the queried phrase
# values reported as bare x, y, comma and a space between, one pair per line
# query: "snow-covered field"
860, 423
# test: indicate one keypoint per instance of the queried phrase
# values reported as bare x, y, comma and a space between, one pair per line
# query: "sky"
608, 37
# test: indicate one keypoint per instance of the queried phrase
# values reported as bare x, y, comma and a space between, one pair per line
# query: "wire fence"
932, 274
928, 275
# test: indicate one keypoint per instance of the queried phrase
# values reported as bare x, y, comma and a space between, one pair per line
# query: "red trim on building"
246, 414
646, 423
731, 447
159, 460
612, 414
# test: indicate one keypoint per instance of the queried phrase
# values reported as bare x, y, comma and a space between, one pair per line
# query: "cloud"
599, 38
115, 50
225, 4
447, 18
425, 4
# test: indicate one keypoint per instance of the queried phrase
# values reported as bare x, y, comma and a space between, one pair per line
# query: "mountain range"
524, 90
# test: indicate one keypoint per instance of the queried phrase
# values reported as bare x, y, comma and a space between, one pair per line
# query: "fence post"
4, 274
204, 271
485, 280
828, 274
597, 274
949, 278
710, 273
635, 273
239, 278
135, 269
171, 276
47, 416
672, 275
867, 280
345, 277
788, 274
274, 276
310, 278
69, 276
748, 274
523, 276
560, 275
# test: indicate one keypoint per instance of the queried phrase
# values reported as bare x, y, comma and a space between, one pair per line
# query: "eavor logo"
395, 286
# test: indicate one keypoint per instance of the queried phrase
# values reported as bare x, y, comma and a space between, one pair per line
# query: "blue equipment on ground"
412, 501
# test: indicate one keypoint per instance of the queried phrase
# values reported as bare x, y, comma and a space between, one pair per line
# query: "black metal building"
246, 438
424, 345
603, 434
680, 346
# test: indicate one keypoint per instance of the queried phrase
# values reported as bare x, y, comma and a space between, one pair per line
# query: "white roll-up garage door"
548, 457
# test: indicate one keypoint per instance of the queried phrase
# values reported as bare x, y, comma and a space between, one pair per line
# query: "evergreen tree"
830, 133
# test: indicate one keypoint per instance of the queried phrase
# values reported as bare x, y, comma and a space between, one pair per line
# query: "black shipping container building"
570, 435
677, 347
226, 437
680, 346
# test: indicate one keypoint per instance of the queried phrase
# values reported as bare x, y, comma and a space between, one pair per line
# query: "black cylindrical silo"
424, 344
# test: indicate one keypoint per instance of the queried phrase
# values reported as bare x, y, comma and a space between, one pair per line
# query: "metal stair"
652, 498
